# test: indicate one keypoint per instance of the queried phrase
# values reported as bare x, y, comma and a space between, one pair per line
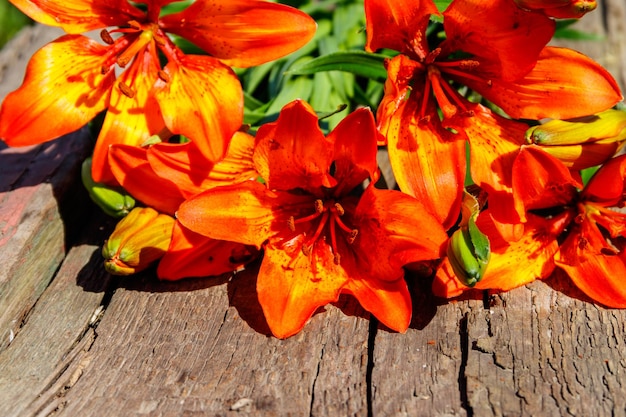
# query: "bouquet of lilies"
234, 132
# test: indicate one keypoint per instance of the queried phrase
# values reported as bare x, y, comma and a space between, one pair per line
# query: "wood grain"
78, 342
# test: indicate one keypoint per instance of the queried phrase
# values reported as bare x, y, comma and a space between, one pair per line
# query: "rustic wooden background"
75, 341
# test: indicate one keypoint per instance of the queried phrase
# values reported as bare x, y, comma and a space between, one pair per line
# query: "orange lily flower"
320, 238
499, 51
72, 79
580, 232
163, 176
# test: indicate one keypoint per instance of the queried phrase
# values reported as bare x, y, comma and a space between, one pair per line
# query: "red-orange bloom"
562, 9
320, 237
496, 49
74, 78
581, 232
163, 176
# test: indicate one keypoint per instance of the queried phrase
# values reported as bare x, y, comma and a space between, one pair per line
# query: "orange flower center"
329, 213
448, 99
134, 40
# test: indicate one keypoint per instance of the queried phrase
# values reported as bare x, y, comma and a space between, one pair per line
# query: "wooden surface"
75, 341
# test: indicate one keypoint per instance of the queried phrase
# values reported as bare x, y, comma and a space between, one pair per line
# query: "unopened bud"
469, 249
608, 126
114, 201
578, 157
139, 239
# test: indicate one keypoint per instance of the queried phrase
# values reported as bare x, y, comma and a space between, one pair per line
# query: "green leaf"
356, 62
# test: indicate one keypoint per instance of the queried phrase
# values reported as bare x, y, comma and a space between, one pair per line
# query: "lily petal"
193, 255
399, 25
202, 100
512, 264
388, 301
608, 185
79, 16
242, 33
494, 143
599, 275
63, 90
184, 165
507, 48
397, 228
246, 213
32, 10
133, 115
580, 87
291, 286
356, 138
293, 151
129, 164
415, 142
541, 181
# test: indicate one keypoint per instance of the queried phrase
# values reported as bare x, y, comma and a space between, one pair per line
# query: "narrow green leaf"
356, 62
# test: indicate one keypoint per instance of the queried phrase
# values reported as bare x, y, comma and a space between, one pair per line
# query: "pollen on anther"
306, 250
164, 76
291, 224
319, 206
353, 234
126, 90
106, 37
339, 208
337, 259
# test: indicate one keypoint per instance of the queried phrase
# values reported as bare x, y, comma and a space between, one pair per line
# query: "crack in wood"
462, 378
371, 340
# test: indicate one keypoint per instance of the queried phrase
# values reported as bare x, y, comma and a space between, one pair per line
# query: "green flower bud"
468, 248
139, 239
114, 201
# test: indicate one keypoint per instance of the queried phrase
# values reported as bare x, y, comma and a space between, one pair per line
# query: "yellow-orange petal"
81, 16
184, 165
494, 143
133, 115
31, 9
63, 89
388, 301
291, 285
247, 213
242, 33
193, 255
512, 264
202, 99
578, 88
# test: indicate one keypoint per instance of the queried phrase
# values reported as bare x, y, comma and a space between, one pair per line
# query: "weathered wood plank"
537, 351
38, 187
179, 349
57, 324
417, 374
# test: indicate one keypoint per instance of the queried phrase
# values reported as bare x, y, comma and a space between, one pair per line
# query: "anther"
319, 206
164, 76
126, 90
306, 250
337, 259
352, 236
340, 210
106, 37
291, 223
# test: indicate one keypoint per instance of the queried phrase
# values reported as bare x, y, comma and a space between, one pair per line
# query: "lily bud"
608, 126
469, 249
560, 9
114, 201
139, 239
578, 157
